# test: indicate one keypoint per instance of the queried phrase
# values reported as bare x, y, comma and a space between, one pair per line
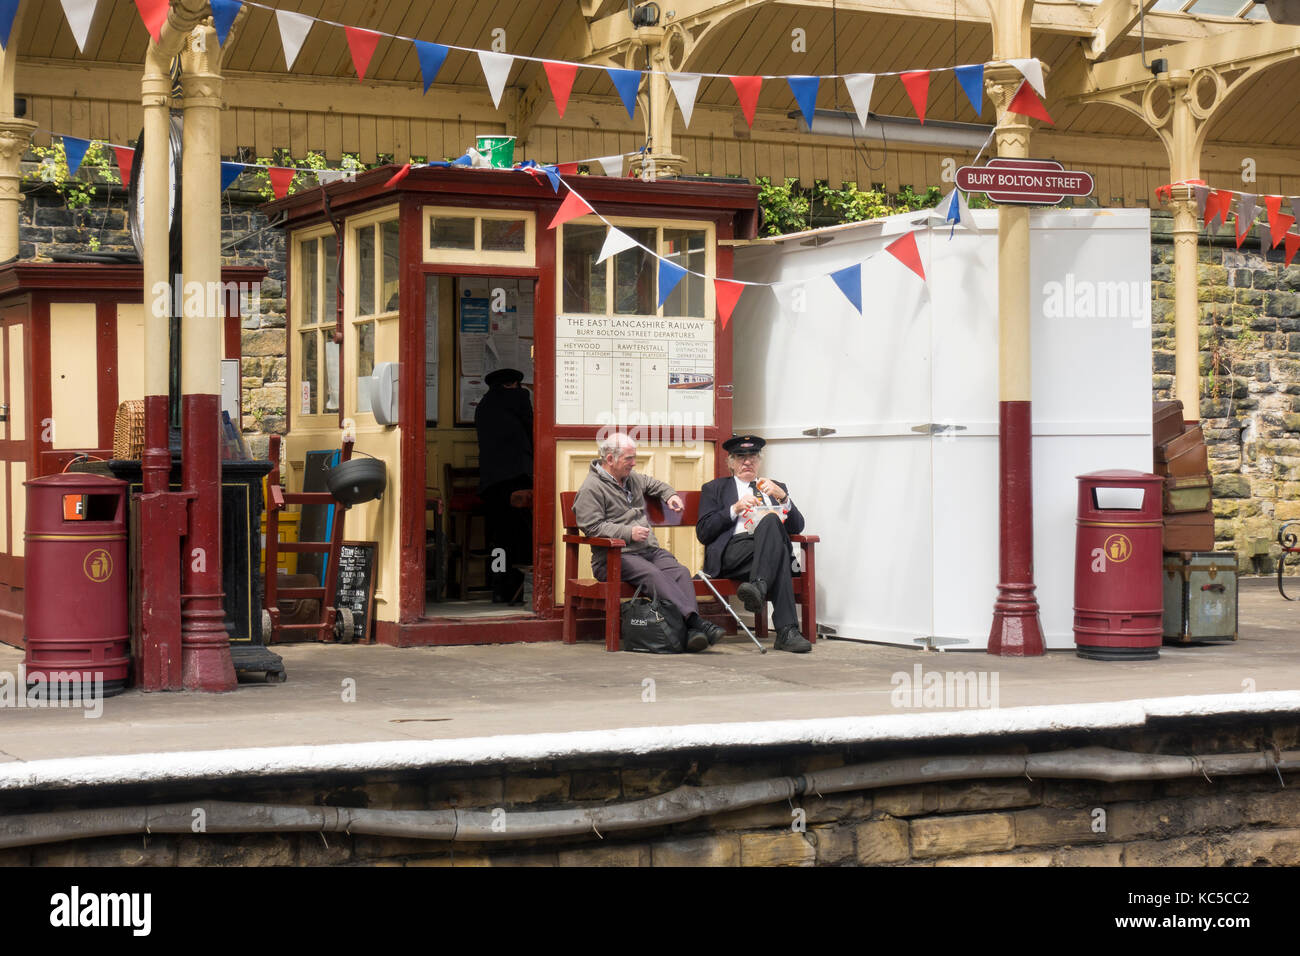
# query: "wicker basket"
128, 430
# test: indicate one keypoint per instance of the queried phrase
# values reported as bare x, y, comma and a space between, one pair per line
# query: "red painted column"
1016, 631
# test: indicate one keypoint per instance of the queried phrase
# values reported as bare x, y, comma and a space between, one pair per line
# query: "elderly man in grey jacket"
611, 504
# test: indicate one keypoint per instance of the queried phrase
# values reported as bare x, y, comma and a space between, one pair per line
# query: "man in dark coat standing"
744, 537
504, 420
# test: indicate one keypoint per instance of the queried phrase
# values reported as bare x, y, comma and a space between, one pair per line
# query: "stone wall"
1192, 821
49, 229
1250, 383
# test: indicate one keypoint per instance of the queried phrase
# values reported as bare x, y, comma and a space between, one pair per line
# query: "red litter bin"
75, 614
1118, 601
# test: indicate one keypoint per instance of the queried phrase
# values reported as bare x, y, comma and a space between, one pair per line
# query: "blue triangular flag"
971, 79
229, 173
223, 16
431, 56
804, 89
669, 276
627, 82
553, 175
75, 151
8, 10
849, 281
953, 213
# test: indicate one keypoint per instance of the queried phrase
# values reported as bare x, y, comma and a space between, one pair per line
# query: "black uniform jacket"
716, 524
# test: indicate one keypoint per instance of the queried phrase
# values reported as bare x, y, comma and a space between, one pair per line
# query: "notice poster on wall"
494, 329
628, 369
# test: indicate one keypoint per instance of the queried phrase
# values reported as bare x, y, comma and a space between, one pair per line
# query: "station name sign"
1030, 182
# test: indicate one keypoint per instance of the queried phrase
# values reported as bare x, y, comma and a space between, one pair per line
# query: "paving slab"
346, 695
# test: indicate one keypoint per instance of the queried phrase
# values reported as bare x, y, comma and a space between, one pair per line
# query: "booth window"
377, 259
631, 285
488, 237
317, 374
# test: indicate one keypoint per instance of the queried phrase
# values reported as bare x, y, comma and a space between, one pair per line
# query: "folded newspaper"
753, 516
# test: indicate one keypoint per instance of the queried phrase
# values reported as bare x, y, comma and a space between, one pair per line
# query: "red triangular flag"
362, 44
1238, 230
728, 294
1027, 103
1274, 206
126, 159
1292, 244
904, 250
567, 169
561, 76
918, 90
1278, 224
398, 176
747, 88
280, 180
572, 207
154, 15
1217, 206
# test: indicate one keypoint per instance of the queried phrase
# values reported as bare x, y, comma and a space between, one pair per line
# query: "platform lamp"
896, 129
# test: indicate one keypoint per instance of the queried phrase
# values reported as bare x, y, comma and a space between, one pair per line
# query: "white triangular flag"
860, 86
327, 176
1032, 71
615, 242
294, 28
685, 86
613, 164
496, 68
79, 14
945, 214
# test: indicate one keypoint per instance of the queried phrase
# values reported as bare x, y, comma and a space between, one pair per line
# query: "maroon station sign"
1030, 182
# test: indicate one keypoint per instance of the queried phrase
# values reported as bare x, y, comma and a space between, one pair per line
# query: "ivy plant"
77, 191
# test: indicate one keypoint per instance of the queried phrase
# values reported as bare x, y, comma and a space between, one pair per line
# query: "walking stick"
705, 578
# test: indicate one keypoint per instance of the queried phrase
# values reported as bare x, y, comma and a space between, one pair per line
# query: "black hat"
743, 444
503, 376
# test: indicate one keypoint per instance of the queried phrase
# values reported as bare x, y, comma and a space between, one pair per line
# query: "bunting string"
1213, 205
293, 29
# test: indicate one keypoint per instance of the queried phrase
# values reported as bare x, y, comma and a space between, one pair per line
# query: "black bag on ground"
652, 626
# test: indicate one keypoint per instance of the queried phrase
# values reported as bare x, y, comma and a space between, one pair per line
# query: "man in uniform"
611, 504
504, 421
745, 525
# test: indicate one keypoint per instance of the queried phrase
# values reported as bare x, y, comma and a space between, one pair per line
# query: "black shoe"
712, 631
791, 640
697, 641
753, 594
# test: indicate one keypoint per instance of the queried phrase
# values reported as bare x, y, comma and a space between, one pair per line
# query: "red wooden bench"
605, 596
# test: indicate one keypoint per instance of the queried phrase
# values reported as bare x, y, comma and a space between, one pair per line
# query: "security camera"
646, 15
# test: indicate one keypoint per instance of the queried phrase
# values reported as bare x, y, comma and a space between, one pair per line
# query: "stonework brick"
595, 785
637, 854
988, 795
237, 850
882, 841
522, 788
647, 782
776, 849
948, 836
837, 806
719, 850
907, 801
1053, 827
1257, 848
474, 793
1089, 856
998, 859
1183, 851
835, 845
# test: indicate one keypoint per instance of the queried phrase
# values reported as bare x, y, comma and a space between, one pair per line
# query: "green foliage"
303, 180
77, 191
788, 207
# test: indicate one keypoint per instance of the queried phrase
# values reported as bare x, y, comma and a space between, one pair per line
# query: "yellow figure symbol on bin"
1118, 548
98, 566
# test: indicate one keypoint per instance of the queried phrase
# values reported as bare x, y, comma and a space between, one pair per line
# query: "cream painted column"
1184, 164
15, 138
659, 161
205, 648
1016, 629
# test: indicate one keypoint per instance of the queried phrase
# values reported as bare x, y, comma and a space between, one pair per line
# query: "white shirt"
743, 489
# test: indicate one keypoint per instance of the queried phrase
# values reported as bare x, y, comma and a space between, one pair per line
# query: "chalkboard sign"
356, 585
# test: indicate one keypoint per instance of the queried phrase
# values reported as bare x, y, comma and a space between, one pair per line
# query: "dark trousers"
660, 572
765, 553
510, 529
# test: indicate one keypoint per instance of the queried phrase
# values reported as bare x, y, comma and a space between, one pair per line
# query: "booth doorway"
475, 325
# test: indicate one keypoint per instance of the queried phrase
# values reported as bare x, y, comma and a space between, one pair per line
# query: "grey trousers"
659, 571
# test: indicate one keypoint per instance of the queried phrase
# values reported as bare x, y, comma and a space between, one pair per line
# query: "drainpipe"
205, 646
1016, 630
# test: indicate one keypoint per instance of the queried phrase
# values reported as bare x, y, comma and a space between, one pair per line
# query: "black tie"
753, 489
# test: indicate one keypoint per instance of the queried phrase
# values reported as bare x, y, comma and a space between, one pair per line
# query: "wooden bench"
605, 596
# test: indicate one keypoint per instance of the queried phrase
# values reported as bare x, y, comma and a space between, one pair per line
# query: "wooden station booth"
450, 273
72, 349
